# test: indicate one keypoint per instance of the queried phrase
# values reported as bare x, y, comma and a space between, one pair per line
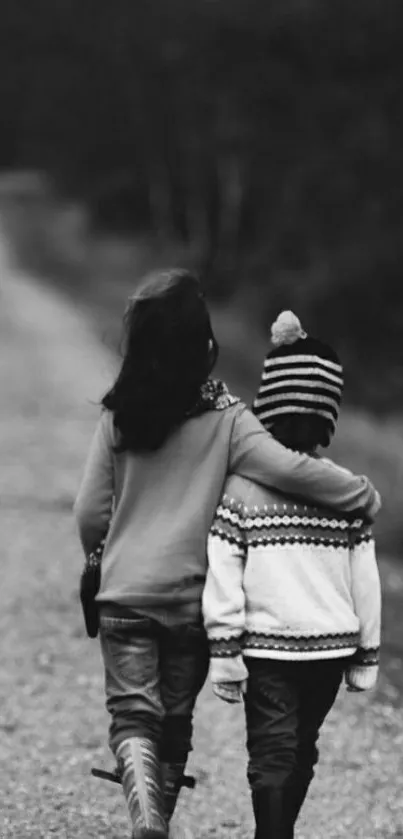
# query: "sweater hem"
300, 644
314, 655
273, 645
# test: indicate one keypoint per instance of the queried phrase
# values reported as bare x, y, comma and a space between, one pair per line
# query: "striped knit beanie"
300, 375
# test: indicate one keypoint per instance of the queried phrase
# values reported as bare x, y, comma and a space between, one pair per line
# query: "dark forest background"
264, 137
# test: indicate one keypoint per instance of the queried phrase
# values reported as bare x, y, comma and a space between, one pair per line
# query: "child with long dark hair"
165, 443
292, 599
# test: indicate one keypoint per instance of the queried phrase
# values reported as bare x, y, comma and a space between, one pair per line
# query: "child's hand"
230, 691
360, 678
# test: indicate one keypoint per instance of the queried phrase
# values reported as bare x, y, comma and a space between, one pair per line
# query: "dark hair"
302, 432
170, 351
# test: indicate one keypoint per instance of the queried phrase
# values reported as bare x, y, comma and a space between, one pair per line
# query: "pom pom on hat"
286, 329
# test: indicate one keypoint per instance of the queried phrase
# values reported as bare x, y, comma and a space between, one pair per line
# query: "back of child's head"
301, 386
169, 352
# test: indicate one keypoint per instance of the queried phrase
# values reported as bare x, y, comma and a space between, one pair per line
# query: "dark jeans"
286, 704
153, 675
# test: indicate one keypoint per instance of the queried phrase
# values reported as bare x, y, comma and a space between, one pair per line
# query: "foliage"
265, 136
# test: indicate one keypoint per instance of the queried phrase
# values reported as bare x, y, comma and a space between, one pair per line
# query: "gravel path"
52, 721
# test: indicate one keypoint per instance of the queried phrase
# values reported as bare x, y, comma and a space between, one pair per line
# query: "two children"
292, 598
166, 442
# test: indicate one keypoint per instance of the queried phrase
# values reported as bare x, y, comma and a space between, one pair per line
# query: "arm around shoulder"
256, 455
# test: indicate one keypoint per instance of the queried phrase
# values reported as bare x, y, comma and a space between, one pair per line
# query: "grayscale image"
201, 419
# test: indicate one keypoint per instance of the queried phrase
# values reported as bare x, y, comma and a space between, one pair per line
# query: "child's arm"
254, 454
366, 592
223, 597
93, 506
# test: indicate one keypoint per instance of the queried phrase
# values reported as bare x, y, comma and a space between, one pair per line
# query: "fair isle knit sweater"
290, 581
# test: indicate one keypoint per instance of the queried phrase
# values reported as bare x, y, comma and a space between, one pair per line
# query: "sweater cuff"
366, 657
362, 678
230, 669
225, 647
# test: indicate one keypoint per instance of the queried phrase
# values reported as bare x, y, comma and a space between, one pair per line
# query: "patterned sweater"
289, 581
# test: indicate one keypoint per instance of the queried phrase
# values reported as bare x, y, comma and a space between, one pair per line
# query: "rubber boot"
141, 775
271, 814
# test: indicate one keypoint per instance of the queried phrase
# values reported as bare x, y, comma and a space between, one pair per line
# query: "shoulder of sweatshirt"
230, 411
105, 422
225, 420
221, 418
106, 429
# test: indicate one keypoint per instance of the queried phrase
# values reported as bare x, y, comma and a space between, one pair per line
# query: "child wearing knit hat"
292, 602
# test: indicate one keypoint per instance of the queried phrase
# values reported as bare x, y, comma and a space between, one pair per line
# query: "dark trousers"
153, 676
286, 703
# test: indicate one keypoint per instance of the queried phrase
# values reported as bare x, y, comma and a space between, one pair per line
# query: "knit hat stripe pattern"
269, 415
303, 359
307, 399
291, 384
313, 370
300, 375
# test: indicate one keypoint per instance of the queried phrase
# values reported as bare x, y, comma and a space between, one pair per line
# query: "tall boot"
172, 776
271, 813
140, 772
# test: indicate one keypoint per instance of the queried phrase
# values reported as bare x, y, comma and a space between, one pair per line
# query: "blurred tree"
267, 136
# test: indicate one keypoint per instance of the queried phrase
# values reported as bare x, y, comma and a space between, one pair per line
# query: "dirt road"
52, 721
